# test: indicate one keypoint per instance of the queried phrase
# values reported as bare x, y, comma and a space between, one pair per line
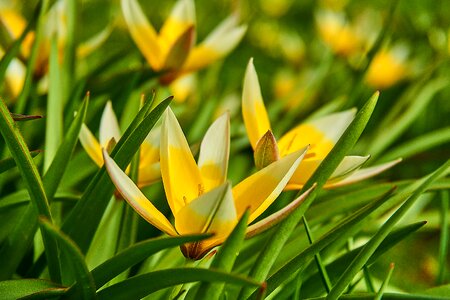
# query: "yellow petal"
143, 33
321, 134
135, 198
363, 173
225, 37
304, 171
182, 87
109, 127
91, 145
214, 153
277, 217
212, 212
253, 110
149, 174
180, 174
181, 18
258, 191
150, 148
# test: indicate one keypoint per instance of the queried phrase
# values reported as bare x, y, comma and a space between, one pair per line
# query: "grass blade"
135, 254
140, 286
224, 260
33, 181
17, 289
371, 246
443, 243
278, 239
313, 287
85, 288
54, 122
83, 220
9, 163
300, 262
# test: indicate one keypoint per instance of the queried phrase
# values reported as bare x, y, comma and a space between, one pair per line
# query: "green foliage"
66, 233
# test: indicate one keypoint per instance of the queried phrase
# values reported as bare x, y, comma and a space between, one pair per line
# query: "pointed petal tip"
279, 216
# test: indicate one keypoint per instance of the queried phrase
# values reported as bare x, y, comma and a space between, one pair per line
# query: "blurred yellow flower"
199, 195
55, 25
172, 49
149, 170
320, 134
342, 37
387, 68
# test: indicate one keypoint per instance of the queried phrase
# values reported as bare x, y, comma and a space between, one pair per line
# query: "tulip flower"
387, 68
149, 170
343, 38
199, 195
173, 50
320, 134
55, 25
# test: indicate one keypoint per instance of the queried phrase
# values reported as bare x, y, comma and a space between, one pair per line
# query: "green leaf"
9, 163
389, 296
85, 287
23, 233
443, 291
401, 122
418, 144
15, 289
312, 286
135, 254
275, 243
224, 259
142, 285
33, 181
380, 292
54, 121
300, 262
58, 166
378, 238
84, 218
443, 243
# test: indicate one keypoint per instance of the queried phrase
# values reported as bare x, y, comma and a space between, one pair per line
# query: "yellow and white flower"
387, 67
149, 170
320, 134
199, 195
172, 49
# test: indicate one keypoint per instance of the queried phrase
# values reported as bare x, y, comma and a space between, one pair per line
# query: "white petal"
214, 153
109, 127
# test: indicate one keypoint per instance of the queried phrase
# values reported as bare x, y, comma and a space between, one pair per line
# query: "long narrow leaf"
313, 287
33, 181
85, 288
136, 253
83, 220
371, 246
224, 260
300, 262
278, 239
140, 286
19, 288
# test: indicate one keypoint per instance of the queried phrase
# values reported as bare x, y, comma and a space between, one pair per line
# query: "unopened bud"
266, 151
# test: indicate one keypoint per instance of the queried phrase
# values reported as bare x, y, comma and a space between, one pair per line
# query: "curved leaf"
85, 288
136, 253
15, 289
142, 285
